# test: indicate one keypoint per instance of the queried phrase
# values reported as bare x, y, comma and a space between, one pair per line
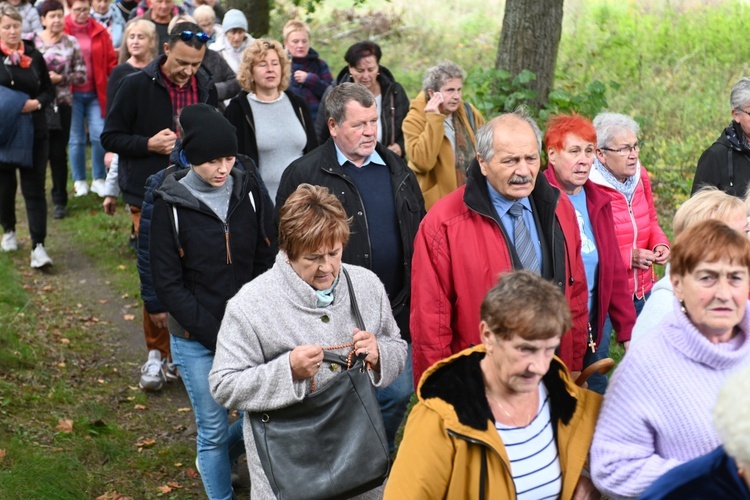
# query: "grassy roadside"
73, 423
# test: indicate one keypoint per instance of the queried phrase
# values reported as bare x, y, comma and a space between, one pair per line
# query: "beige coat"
429, 152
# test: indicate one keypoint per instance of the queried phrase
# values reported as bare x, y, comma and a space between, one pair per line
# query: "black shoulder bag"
332, 444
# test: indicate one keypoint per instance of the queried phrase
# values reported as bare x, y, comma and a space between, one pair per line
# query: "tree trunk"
258, 13
529, 40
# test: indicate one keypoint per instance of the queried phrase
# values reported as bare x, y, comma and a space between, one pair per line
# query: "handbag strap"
357, 319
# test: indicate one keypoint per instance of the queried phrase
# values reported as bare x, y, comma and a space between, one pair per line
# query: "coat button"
325, 318
359, 213
367, 256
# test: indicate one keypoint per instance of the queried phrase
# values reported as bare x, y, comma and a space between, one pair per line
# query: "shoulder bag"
332, 444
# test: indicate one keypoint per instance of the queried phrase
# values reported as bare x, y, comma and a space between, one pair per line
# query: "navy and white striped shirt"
534, 461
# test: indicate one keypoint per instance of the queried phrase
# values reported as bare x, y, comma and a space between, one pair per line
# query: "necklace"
511, 419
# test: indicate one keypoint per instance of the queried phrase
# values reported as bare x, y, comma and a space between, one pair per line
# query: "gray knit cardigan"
277, 312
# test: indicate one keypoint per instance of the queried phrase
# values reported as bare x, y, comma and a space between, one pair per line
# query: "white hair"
608, 125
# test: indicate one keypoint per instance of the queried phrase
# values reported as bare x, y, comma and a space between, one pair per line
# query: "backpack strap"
175, 222
730, 166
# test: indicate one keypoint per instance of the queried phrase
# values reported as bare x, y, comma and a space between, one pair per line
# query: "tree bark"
529, 40
258, 13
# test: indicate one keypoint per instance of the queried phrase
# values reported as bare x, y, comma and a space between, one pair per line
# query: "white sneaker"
82, 189
172, 372
152, 372
10, 243
97, 186
39, 257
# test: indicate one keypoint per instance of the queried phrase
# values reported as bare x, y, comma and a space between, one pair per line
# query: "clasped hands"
642, 258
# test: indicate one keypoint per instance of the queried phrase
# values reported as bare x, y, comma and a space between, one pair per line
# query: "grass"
62, 359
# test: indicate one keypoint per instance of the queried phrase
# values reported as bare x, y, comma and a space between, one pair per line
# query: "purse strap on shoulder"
353, 298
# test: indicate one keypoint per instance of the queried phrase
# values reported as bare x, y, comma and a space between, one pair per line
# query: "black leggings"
32, 188
58, 157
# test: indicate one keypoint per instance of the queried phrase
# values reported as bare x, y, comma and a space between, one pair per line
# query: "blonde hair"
148, 28
295, 25
254, 53
708, 203
311, 218
204, 13
182, 18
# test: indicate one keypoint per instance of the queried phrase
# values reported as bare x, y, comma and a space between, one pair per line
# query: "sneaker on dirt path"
39, 257
97, 186
172, 372
9, 243
81, 188
152, 372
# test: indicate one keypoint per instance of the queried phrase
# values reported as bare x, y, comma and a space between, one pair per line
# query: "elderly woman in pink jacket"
618, 171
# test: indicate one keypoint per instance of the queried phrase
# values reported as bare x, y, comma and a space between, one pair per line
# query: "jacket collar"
595, 198
201, 76
331, 165
458, 381
175, 193
477, 198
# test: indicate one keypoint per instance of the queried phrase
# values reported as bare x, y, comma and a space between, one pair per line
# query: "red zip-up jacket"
460, 251
612, 287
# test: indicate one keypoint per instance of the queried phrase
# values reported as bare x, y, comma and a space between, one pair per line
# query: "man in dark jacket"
726, 164
383, 198
141, 129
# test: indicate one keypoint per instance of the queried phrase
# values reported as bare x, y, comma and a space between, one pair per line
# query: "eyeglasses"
746, 112
186, 36
626, 150
80, 10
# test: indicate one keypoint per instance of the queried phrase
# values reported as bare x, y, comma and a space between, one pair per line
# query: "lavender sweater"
657, 410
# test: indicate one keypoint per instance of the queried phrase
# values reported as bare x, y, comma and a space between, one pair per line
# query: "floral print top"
64, 58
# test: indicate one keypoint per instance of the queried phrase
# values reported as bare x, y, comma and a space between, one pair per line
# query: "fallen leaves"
183, 410
139, 407
113, 495
192, 473
128, 317
144, 443
3, 453
64, 425
167, 488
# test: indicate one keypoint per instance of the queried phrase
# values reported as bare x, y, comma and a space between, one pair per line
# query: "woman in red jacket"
620, 174
89, 98
571, 141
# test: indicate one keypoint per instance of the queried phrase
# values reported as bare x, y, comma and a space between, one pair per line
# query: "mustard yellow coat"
450, 431
429, 152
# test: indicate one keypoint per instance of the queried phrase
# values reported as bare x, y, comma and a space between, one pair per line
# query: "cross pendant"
592, 345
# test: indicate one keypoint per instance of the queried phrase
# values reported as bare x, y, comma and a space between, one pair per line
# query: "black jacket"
240, 114
395, 106
224, 78
218, 258
322, 168
142, 107
714, 164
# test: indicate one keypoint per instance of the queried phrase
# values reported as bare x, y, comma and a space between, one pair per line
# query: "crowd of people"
280, 213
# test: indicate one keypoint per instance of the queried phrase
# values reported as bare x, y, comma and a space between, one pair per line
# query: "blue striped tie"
524, 246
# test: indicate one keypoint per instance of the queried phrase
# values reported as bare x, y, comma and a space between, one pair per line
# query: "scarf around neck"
627, 188
16, 57
325, 297
103, 19
736, 137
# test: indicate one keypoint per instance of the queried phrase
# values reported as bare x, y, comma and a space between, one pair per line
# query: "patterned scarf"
15, 57
736, 137
103, 19
627, 188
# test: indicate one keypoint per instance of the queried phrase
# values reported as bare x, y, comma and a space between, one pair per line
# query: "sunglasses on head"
186, 36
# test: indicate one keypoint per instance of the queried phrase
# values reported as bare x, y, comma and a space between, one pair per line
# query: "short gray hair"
342, 94
608, 125
732, 415
740, 95
485, 136
436, 76
8, 10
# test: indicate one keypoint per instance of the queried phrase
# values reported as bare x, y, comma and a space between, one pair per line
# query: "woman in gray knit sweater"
271, 341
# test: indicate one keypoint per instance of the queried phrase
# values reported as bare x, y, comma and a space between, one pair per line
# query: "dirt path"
76, 293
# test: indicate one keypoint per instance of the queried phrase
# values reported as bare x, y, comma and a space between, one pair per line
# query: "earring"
682, 307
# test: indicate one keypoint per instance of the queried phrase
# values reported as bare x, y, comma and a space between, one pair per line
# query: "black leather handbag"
330, 445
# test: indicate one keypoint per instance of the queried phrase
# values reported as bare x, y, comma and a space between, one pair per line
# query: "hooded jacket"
142, 107
318, 79
430, 153
612, 279
395, 105
103, 58
451, 448
219, 257
460, 250
636, 226
714, 167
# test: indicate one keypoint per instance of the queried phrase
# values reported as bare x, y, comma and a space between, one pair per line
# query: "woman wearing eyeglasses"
620, 174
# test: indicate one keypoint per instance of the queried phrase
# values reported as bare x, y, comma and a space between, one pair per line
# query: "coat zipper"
490, 448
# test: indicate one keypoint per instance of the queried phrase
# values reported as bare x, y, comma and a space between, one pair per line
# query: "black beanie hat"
206, 134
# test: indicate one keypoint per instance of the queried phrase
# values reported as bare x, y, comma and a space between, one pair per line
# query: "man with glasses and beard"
505, 218
141, 128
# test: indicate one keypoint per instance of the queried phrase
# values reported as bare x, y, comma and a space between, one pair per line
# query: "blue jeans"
639, 303
218, 443
394, 401
598, 382
86, 107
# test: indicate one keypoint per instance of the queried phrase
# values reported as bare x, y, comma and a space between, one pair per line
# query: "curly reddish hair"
560, 126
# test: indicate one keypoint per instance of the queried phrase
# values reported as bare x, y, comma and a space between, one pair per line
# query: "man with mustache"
382, 197
505, 218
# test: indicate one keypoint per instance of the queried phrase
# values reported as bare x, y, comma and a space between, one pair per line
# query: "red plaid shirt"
180, 96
